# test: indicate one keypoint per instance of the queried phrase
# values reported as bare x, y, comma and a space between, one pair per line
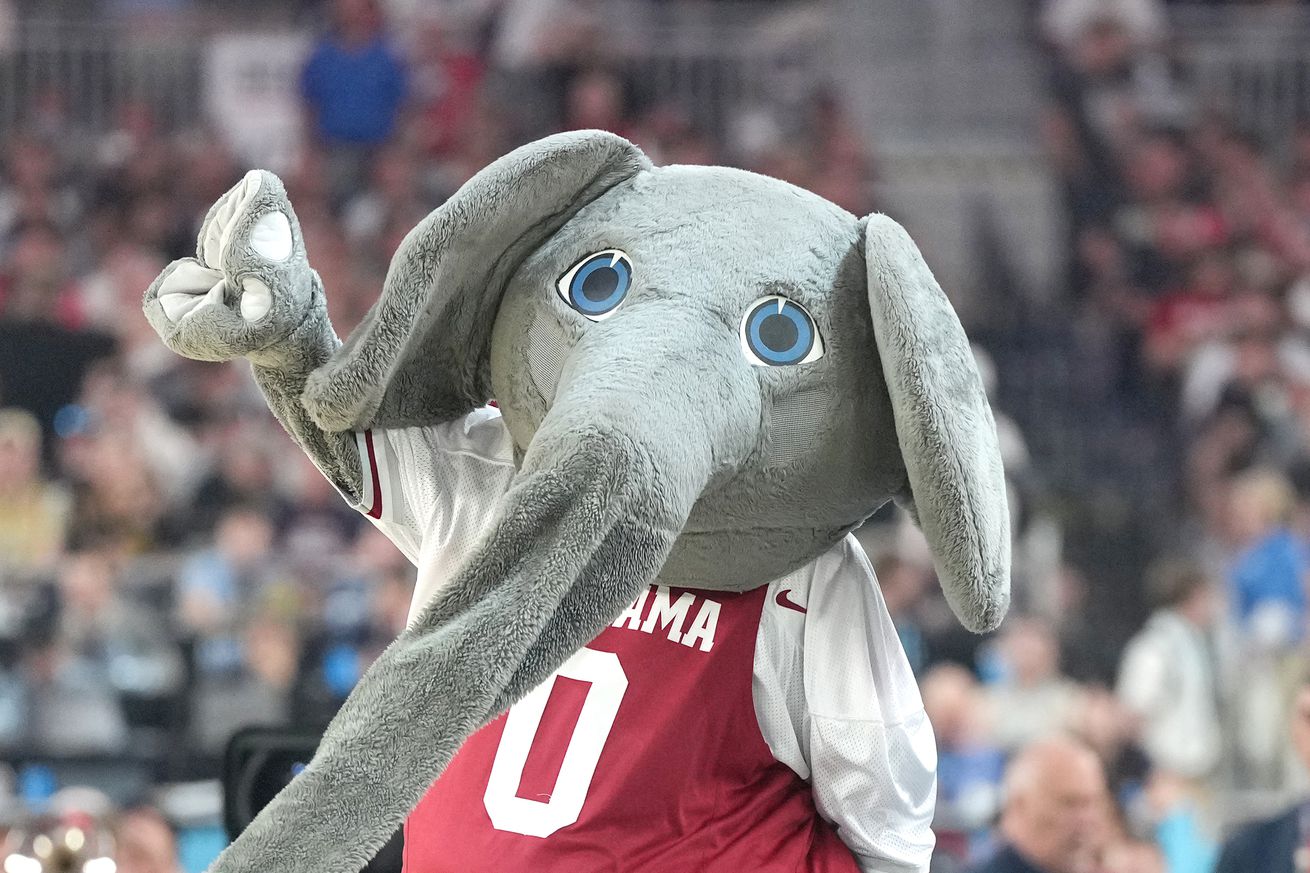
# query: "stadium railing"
1250, 63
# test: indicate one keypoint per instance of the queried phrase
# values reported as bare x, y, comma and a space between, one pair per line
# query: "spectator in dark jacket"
1280, 844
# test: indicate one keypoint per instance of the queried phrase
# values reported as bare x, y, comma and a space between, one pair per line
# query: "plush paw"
249, 286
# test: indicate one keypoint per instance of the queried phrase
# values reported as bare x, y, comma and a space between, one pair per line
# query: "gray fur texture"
651, 446
442, 291
944, 426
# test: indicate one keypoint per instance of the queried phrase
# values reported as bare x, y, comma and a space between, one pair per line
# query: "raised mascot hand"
249, 287
249, 292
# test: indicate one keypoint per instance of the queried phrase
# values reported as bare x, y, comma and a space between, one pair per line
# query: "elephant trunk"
604, 490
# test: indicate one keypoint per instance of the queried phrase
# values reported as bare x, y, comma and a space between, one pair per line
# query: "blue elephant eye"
597, 284
777, 332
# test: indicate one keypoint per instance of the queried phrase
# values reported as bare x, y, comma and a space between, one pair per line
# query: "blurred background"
1115, 193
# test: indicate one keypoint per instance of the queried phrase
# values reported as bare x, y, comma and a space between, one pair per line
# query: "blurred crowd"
1190, 265
172, 569
1189, 270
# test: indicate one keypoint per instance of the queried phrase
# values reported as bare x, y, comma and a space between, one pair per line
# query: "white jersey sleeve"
837, 702
433, 490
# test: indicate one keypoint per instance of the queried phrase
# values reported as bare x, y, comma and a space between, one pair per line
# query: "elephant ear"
943, 424
421, 353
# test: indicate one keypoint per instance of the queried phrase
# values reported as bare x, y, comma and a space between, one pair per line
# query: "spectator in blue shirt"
354, 85
1267, 578
1269, 571
220, 586
969, 766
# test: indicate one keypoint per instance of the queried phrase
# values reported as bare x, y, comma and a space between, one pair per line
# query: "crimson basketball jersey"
642, 754
776, 730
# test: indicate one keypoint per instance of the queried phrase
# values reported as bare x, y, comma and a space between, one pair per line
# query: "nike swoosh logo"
787, 603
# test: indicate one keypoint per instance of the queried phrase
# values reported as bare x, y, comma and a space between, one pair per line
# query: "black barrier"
258, 763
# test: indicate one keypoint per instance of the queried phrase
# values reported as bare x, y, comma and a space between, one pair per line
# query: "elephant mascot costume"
709, 379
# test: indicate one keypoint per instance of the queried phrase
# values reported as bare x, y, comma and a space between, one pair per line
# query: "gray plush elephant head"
769, 368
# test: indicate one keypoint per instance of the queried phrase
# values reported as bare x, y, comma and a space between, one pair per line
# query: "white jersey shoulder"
434, 490
838, 703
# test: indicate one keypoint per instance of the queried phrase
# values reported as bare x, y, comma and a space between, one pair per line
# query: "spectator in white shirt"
1167, 676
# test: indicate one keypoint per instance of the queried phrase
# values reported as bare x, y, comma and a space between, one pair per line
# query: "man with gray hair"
1053, 819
